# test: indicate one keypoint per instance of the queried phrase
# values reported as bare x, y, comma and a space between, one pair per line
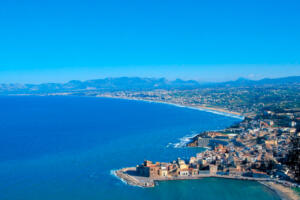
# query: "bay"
66, 148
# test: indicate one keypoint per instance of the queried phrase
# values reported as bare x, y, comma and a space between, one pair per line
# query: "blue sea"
65, 148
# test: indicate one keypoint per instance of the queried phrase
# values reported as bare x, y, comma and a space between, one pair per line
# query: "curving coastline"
215, 110
127, 175
285, 193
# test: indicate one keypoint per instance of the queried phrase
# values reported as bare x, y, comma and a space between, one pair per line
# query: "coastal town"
263, 147
255, 148
240, 100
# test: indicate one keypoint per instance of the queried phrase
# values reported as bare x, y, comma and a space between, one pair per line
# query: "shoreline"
185, 139
215, 110
284, 192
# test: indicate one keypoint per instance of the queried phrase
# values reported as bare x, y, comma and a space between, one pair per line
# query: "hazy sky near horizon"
58, 41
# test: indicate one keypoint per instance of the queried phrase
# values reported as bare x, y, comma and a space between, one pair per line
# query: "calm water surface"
64, 148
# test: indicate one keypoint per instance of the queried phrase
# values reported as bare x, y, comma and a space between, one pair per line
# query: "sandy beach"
284, 192
215, 110
219, 110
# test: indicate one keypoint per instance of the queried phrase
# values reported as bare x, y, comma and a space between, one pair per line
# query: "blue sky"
57, 41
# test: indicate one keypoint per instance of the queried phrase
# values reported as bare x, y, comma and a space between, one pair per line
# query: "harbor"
131, 177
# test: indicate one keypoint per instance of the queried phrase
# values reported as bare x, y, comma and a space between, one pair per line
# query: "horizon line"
149, 77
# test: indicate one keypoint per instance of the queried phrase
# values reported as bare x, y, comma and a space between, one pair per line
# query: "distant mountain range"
243, 82
135, 83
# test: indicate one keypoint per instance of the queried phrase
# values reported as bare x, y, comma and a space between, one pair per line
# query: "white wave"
169, 144
196, 108
184, 141
221, 113
113, 173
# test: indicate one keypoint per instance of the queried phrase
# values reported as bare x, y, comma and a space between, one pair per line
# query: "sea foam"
113, 173
184, 141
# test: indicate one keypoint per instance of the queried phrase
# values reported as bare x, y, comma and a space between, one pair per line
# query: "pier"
130, 176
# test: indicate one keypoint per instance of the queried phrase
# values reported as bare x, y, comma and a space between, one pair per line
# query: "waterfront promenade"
281, 188
130, 176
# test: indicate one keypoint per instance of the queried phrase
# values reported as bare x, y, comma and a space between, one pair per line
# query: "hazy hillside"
134, 84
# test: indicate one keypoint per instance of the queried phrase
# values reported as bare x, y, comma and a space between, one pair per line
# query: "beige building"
213, 169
